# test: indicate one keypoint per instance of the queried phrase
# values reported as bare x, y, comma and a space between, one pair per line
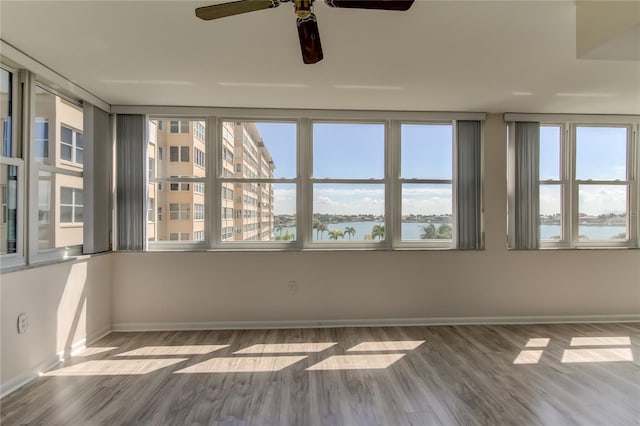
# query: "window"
58, 185
262, 191
160, 150
359, 184
178, 126
198, 212
348, 196
71, 205
198, 130
198, 157
10, 168
427, 182
71, 145
587, 184
179, 211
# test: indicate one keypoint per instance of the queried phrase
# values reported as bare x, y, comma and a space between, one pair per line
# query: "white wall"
161, 290
67, 303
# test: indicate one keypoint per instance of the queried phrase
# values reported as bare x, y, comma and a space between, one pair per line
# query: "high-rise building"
176, 210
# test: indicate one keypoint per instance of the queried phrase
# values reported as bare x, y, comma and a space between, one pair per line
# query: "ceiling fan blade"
372, 4
309, 39
234, 8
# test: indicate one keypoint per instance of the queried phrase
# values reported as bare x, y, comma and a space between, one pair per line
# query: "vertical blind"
527, 190
131, 198
469, 185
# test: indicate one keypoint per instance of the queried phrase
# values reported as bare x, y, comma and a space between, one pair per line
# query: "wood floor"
571, 374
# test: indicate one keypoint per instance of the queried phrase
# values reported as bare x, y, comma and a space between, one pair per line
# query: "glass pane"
9, 223
59, 196
348, 151
41, 140
66, 214
344, 212
66, 135
256, 211
49, 109
180, 146
603, 212
78, 214
551, 212
427, 212
259, 150
427, 151
278, 150
186, 212
6, 117
184, 154
79, 156
601, 153
65, 152
550, 152
45, 216
66, 196
79, 140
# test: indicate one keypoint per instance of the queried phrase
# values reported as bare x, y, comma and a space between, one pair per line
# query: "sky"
356, 151
600, 155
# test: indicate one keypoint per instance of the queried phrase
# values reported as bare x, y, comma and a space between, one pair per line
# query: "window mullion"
570, 214
213, 185
304, 195
393, 186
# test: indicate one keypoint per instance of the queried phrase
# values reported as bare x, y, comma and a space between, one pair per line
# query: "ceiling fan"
306, 19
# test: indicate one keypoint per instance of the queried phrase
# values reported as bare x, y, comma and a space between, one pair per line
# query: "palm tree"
350, 230
321, 229
428, 232
279, 229
334, 234
377, 232
445, 231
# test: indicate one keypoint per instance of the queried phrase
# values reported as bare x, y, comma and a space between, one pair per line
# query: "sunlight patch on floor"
528, 357
282, 348
93, 351
537, 342
400, 345
357, 362
601, 341
243, 364
115, 367
174, 350
597, 355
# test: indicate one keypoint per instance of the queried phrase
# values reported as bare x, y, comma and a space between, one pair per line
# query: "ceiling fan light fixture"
309, 39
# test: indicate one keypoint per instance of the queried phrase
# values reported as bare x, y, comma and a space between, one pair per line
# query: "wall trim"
249, 325
22, 379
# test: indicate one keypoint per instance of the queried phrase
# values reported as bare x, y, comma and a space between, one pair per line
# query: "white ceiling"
487, 56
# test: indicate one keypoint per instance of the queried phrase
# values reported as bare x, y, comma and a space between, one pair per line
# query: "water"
547, 232
412, 231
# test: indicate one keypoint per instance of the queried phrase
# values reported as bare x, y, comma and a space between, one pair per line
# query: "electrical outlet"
23, 323
293, 287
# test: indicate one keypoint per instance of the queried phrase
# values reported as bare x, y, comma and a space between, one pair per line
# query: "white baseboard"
22, 379
251, 325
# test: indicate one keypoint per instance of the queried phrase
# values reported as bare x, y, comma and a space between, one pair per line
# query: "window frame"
215, 174
37, 255
16, 159
161, 216
74, 145
427, 244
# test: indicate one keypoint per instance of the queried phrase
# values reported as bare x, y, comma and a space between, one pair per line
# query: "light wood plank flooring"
569, 374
